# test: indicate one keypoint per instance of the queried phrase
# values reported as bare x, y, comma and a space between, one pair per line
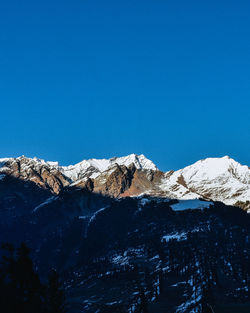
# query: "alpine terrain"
127, 237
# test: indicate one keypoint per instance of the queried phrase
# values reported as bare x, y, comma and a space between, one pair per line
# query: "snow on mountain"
140, 161
42, 173
213, 168
218, 179
2, 176
27, 162
191, 204
87, 168
94, 167
3, 162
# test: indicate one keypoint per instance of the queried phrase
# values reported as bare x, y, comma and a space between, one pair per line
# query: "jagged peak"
28, 159
86, 168
4, 160
101, 165
210, 167
218, 178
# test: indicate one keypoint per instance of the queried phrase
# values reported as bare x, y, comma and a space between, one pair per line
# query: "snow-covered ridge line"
209, 167
34, 160
217, 179
91, 167
96, 166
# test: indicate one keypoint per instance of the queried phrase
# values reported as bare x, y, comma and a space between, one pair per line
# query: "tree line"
21, 289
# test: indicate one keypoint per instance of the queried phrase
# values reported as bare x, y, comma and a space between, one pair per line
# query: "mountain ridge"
217, 179
123, 236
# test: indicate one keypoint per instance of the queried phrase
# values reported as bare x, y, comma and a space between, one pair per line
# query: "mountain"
216, 179
172, 256
93, 167
45, 174
127, 237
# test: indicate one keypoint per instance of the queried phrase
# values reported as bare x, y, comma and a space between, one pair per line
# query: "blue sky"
82, 79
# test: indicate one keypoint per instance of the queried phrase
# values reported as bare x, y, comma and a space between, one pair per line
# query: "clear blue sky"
82, 79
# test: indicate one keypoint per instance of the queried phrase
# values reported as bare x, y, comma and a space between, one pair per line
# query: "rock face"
217, 179
115, 180
144, 182
94, 167
116, 238
45, 175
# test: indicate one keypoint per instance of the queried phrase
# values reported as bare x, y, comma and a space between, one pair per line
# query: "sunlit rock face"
217, 179
119, 230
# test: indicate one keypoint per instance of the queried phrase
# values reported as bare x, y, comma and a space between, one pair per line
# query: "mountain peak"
226, 157
211, 168
140, 161
93, 167
219, 179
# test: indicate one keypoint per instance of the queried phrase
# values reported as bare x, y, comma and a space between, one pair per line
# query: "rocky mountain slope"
217, 179
45, 174
115, 255
164, 256
124, 235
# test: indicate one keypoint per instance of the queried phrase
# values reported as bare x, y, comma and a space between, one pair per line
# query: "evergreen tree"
19, 283
55, 294
26, 281
20, 288
207, 299
8, 302
143, 307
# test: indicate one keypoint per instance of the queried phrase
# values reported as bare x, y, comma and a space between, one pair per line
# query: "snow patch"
2, 176
93, 217
144, 201
49, 200
180, 236
177, 236
191, 204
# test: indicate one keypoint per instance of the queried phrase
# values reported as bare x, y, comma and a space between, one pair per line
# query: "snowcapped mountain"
50, 175
94, 167
158, 233
44, 174
217, 179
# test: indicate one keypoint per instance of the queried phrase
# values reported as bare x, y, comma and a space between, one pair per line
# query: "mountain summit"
120, 230
218, 179
93, 167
